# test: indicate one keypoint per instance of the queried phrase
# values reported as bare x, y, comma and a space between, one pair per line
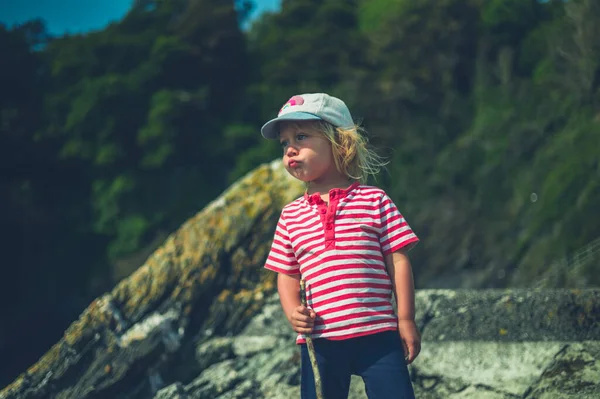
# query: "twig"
311, 348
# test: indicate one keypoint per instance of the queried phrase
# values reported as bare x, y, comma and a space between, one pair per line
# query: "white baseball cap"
307, 107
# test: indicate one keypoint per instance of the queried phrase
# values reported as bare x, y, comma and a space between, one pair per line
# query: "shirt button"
329, 226
323, 210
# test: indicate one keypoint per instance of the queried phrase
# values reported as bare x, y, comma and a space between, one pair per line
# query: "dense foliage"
487, 110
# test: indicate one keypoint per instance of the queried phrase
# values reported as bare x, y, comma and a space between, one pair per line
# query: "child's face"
307, 153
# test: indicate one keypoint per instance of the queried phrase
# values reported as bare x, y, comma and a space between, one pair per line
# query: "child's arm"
400, 272
301, 318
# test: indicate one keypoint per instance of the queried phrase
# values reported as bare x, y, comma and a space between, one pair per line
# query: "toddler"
349, 242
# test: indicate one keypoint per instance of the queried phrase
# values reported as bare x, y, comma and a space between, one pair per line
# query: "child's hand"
302, 319
411, 339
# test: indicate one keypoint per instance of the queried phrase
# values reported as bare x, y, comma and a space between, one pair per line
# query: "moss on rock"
209, 270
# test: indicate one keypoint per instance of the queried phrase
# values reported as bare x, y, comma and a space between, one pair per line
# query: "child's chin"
301, 178
298, 176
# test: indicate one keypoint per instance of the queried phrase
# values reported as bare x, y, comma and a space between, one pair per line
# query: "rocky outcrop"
201, 319
203, 282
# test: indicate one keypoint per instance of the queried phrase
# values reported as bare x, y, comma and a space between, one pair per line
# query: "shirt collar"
334, 194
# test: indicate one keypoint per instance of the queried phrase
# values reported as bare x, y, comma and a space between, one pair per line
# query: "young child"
348, 241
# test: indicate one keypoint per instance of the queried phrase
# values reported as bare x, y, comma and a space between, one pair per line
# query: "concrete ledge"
509, 315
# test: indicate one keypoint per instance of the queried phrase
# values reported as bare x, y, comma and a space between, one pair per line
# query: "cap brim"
270, 130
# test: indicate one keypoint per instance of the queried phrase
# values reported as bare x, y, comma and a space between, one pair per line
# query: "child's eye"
283, 144
301, 136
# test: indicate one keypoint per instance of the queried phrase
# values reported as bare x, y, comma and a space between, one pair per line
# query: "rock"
511, 315
357, 388
507, 367
218, 379
507, 344
214, 351
248, 346
573, 373
206, 280
174, 391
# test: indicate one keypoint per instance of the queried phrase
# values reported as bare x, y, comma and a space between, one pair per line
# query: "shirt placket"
329, 220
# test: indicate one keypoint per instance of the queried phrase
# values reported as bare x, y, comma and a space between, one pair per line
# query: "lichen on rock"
149, 318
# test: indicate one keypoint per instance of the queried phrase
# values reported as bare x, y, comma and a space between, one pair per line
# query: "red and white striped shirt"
339, 249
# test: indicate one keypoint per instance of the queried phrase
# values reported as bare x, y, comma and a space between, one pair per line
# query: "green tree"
140, 106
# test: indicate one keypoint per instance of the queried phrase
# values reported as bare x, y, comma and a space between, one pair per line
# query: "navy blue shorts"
377, 358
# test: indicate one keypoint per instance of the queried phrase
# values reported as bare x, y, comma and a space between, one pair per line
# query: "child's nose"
291, 151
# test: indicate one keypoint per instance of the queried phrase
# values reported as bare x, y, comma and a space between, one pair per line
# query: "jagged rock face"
201, 319
206, 280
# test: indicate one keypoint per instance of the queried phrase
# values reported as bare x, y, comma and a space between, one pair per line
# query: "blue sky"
75, 16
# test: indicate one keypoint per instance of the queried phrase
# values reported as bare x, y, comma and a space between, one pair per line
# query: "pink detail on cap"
295, 100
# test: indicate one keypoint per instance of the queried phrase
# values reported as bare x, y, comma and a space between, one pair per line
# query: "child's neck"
323, 187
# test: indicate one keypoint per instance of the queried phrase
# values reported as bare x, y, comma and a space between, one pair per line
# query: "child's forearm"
288, 287
400, 272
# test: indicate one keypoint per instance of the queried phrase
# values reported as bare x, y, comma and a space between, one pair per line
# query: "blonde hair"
352, 154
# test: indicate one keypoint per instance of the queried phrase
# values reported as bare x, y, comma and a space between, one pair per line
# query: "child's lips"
293, 164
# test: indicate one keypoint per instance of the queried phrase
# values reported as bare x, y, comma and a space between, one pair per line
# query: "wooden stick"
311, 348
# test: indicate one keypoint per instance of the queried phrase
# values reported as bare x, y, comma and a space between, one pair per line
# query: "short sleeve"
281, 257
395, 232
